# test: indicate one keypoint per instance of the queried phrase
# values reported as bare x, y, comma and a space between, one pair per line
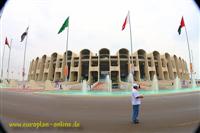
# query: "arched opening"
165, 75
57, 76
151, 74
36, 67
176, 65
52, 66
142, 65
114, 78
156, 56
124, 63
104, 68
85, 57
94, 76
74, 76
42, 65
169, 66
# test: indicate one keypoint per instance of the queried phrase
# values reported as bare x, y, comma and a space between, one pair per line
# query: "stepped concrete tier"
36, 85
93, 67
49, 85
71, 85
31, 84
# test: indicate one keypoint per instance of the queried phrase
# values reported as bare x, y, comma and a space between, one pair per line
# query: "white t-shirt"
134, 100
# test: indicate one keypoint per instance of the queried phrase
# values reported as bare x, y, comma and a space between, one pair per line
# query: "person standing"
136, 101
60, 85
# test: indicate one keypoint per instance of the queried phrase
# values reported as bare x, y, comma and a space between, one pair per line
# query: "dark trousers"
135, 112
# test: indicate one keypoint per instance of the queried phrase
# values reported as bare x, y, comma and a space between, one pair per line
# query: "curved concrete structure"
94, 67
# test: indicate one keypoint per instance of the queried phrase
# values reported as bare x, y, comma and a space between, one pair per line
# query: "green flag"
65, 24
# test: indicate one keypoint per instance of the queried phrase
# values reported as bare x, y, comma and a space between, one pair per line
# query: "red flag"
6, 42
125, 22
182, 24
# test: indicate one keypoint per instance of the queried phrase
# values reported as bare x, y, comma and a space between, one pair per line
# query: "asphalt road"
174, 113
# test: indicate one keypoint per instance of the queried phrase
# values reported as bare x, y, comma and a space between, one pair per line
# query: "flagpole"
2, 62
130, 40
188, 51
8, 69
23, 71
67, 50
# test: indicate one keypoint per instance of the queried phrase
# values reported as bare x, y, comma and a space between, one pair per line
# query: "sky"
96, 24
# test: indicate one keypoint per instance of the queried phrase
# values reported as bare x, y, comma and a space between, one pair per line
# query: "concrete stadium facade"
94, 67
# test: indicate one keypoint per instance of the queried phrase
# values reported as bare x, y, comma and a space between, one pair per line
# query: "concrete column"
35, 68
118, 62
177, 66
169, 66
51, 69
147, 77
30, 70
89, 74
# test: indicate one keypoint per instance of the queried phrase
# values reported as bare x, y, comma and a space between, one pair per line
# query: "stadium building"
94, 67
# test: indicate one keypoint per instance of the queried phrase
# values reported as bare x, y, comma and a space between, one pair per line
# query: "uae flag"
65, 24
125, 21
24, 34
182, 24
6, 42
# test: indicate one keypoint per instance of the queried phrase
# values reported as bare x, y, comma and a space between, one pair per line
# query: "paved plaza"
174, 113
